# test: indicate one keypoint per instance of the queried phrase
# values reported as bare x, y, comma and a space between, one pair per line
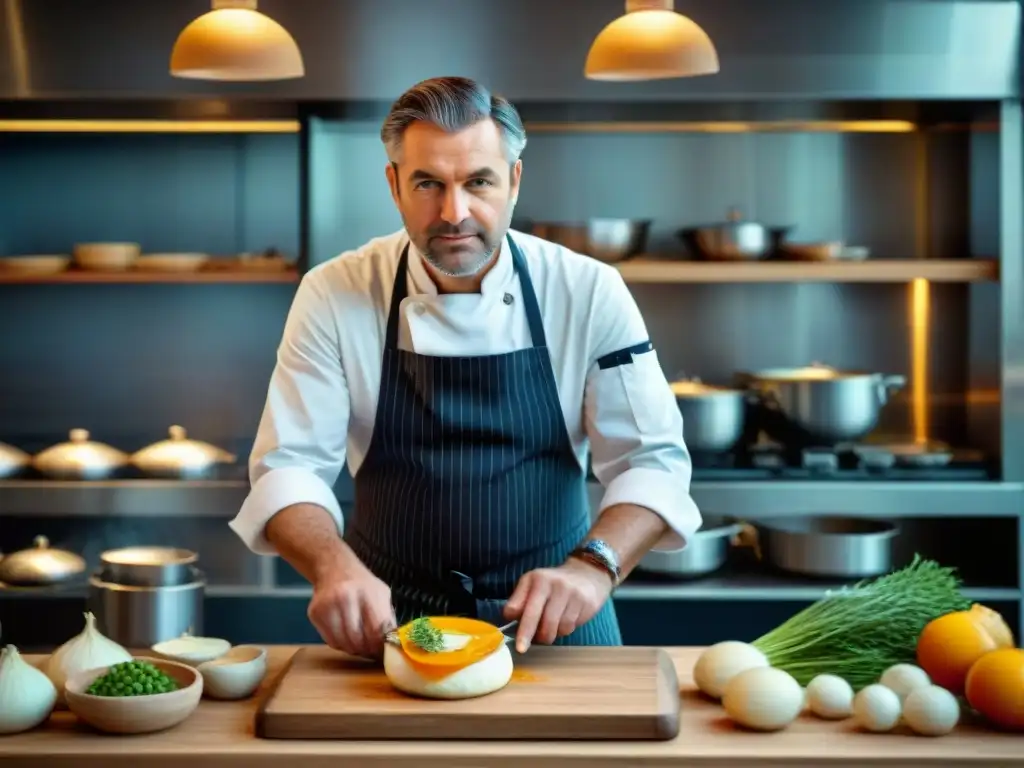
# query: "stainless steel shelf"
880, 499
222, 498
127, 498
767, 588
737, 588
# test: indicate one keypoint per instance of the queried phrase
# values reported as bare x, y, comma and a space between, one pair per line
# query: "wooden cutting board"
556, 692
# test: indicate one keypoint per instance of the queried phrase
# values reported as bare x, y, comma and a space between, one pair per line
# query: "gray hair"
453, 104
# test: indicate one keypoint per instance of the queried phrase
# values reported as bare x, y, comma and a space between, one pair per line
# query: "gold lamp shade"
234, 41
651, 42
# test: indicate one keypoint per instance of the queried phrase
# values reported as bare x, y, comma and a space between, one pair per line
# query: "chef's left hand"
552, 602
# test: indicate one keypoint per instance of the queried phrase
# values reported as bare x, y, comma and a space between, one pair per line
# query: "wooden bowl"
35, 265
136, 714
106, 257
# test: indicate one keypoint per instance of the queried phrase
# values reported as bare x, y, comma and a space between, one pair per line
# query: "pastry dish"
448, 657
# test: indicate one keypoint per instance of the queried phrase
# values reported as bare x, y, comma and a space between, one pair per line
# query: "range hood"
530, 50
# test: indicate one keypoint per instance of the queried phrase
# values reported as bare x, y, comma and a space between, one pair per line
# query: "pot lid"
41, 564
695, 388
80, 453
148, 556
734, 219
13, 457
180, 452
812, 372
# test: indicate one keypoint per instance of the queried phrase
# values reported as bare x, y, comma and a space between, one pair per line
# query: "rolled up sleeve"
632, 420
299, 449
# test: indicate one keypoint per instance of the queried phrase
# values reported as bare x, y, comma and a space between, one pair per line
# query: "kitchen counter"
220, 735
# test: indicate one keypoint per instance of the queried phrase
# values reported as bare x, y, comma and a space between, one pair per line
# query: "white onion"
931, 711
830, 697
89, 649
26, 695
721, 662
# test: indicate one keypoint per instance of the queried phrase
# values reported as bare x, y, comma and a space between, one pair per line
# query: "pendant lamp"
234, 41
651, 42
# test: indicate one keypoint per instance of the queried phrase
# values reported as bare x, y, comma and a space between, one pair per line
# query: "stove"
845, 463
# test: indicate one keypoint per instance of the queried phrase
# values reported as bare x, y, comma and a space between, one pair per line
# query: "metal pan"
828, 547
707, 551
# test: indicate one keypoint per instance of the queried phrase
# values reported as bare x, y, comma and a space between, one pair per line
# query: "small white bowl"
192, 650
236, 675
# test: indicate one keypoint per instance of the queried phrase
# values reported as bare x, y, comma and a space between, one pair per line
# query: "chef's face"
456, 193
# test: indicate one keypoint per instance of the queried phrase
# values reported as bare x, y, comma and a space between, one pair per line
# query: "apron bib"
470, 480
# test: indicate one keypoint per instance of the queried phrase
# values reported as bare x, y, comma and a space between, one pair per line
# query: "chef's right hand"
352, 611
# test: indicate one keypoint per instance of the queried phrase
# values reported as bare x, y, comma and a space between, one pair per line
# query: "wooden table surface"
220, 734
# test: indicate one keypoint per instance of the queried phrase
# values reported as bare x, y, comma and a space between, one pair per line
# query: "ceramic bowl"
106, 257
192, 650
237, 674
136, 714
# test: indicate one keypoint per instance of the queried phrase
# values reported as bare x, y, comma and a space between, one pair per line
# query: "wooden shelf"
138, 276
662, 270
638, 270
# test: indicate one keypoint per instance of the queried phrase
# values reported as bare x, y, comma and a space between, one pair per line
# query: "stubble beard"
452, 263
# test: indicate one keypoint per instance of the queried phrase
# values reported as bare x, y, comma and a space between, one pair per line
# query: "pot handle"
765, 398
747, 537
888, 385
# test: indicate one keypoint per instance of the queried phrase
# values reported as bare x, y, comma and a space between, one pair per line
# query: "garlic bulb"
88, 650
26, 695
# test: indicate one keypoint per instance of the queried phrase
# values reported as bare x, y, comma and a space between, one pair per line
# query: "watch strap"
599, 553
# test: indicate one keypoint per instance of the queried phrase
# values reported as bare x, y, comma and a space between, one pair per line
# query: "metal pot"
140, 617
40, 566
706, 552
607, 240
148, 566
819, 404
12, 460
734, 240
713, 417
178, 456
831, 547
80, 459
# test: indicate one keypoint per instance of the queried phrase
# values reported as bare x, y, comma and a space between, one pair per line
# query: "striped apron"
470, 479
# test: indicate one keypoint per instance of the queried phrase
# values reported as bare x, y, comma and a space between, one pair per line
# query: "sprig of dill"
423, 634
860, 631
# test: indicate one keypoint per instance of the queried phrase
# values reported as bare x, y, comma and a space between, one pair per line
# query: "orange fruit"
949, 645
995, 687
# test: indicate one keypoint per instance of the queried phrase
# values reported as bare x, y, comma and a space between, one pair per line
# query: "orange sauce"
484, 639
523, 676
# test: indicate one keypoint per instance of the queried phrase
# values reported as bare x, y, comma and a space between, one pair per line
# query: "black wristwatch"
599, 553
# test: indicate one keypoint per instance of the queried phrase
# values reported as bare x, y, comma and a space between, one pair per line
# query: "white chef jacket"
322, 399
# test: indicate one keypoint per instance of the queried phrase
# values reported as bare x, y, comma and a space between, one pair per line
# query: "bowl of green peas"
139, 696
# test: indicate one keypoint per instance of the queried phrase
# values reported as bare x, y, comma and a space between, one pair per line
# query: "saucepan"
828, 546
714, 418
705, 553
735, 239
818, 404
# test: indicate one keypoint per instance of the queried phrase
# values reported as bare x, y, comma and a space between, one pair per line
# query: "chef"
466, 372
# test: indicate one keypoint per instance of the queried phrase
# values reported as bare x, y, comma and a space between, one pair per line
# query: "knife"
391, 636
